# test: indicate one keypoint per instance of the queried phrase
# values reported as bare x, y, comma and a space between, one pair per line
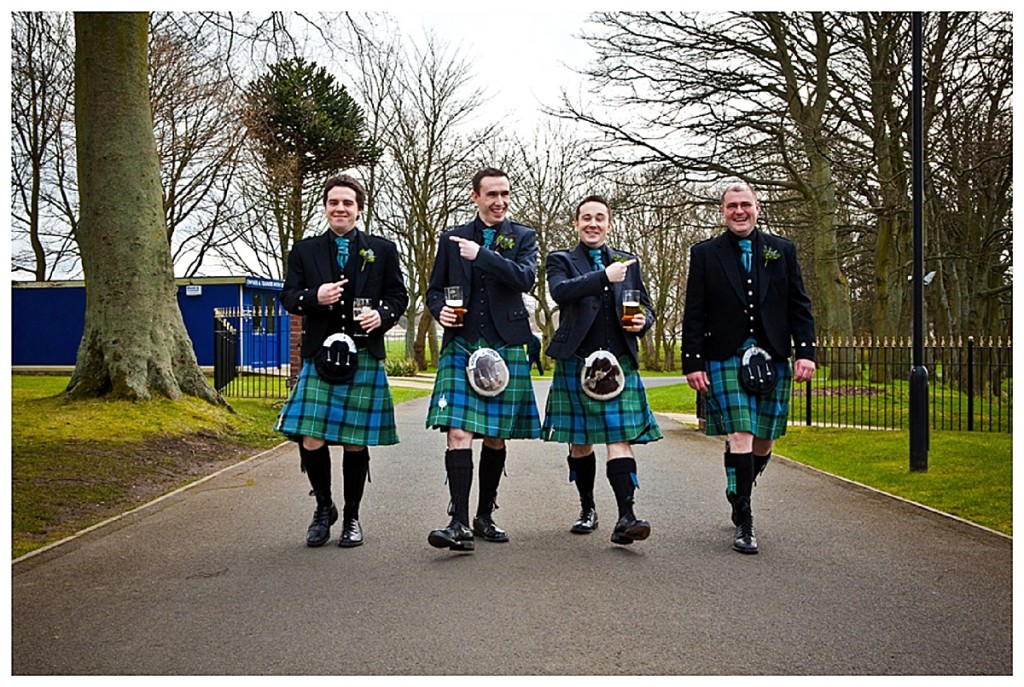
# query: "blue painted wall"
47, 319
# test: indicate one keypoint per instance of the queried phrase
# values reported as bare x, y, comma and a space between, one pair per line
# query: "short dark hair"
348, 182
594, 198
483, 174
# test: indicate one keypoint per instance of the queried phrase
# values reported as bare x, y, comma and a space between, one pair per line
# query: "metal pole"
918, 373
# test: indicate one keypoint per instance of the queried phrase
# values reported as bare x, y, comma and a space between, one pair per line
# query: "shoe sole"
638, 533
349, 544
581, 530
441, 542
748, 552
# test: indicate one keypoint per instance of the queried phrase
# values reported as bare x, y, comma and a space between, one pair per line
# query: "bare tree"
551, 172
422, 98
42, 74
727, 94
199, 134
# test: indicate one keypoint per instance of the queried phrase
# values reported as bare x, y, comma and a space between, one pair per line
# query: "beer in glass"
453, 299
630, 306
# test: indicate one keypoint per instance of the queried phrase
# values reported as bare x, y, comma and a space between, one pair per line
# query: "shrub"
400, 367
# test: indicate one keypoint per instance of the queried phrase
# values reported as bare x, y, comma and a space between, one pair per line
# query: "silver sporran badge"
487, 372
602, 376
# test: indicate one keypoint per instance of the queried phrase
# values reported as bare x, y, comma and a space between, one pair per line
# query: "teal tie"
746, 254
595, 257
342, 242
488, 237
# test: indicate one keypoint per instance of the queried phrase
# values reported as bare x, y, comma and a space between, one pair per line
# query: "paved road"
217, 579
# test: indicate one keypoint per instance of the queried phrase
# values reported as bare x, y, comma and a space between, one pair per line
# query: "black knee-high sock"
492, 463
583, 471
760, 463
744, 475
622, 476
354, 468
459, 464
317, 466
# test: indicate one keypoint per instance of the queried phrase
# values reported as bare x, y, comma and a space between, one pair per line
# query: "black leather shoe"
351, 534
484, 527
587, 522
744, 540
320, 529
456, 537
629, 529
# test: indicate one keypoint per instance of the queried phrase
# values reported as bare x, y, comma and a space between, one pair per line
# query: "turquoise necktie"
488, 237
595, 257
342, 243
746, 254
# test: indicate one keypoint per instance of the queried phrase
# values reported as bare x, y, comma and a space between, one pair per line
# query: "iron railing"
251, 351
866, 383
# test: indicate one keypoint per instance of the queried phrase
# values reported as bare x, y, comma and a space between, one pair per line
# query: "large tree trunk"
135, 344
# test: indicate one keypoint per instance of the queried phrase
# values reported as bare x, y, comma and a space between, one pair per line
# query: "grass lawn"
970, 474
70, 470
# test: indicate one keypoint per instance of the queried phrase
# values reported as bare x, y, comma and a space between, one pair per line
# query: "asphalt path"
217, 580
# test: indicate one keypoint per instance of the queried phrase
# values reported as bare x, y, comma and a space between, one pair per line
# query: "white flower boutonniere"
368, 256
504, 241
770, 254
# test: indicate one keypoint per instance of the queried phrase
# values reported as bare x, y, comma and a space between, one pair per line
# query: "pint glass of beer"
361, 307
453, 299
630, 306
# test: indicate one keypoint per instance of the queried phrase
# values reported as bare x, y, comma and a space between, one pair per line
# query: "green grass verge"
76, 464
970, 474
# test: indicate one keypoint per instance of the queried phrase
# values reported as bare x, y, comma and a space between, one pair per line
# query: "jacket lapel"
617, 287
466, 232
730, 265
325, 262
580, 259
356, 260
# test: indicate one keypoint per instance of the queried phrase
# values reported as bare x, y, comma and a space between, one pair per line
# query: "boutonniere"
367, 256
770, 254
503, 241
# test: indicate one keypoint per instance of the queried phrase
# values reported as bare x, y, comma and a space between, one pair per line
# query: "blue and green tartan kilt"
729, 408
360, 413
512, 414
573, 417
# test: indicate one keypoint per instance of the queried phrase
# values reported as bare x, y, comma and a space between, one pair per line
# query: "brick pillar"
295, 347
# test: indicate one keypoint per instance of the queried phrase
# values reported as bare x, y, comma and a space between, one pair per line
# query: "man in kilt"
745, 290
494, 260
325, 273
588, 283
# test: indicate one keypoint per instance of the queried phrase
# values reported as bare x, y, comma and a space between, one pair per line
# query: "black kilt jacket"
717, 317
578, 289
511, 271
313, 262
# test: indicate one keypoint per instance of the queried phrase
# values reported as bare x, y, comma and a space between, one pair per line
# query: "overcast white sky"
522, 57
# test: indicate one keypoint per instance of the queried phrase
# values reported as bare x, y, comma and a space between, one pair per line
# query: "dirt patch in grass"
56, 497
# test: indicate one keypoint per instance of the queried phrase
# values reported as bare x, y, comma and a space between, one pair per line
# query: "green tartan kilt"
361, 413
512, 414
729, 408
573, 417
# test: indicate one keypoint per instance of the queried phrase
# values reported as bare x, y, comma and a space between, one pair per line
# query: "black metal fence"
251, 351
865, 383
